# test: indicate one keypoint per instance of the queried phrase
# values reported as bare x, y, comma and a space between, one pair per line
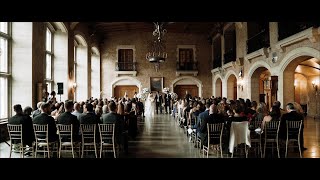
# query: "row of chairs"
66, 143
268, 137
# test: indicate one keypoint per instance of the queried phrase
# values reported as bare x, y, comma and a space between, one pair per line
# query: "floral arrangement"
173, 95
142, 96
166, 90
145, 90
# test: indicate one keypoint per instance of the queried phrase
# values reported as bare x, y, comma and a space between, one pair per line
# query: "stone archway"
122, 81
287, 74
231, 80
217, 86
260, 86
253, 85
187, 80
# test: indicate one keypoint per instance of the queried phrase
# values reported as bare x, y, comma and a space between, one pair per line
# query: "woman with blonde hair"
120, 109
262, 111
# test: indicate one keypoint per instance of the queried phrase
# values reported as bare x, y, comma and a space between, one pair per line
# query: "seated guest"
27, 111
98, 111
213, 118
278, 104
274, 115
131, 119
237, 116
27, 127
113, 117
76, 111
262, 111
44, 119
292, 115
89, 117
37, 111
67, 118
201, 118
58, 111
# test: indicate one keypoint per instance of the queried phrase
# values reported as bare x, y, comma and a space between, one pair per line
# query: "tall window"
217, 60
185, 59
49, 55
75, 66
125, 60
95, 73
4, 70
81, 68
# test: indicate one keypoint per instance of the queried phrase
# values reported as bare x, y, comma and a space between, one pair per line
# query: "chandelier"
157, 50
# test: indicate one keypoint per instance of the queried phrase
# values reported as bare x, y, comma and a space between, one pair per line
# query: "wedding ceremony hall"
160, 89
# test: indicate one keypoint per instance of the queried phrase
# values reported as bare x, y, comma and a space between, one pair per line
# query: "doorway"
119, 91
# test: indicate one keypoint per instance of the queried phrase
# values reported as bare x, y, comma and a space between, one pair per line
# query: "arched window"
48, 63
5, 36
81, 68
60, 60
95, 72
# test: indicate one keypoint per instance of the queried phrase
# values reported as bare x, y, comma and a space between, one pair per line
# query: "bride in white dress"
149, 105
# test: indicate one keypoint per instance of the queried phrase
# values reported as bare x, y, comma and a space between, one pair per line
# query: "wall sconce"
315, 85
240, 84
74, 85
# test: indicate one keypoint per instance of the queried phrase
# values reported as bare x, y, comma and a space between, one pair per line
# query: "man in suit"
167, 103
37, 111
114, 118
27, 127
89, 116
213, 118
159, 101
291, 115
67, 118
201, 120
76, 111
44, 119
188, 97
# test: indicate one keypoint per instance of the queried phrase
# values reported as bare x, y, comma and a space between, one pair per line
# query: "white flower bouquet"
145, 90
173, 95
142, 96
166, 90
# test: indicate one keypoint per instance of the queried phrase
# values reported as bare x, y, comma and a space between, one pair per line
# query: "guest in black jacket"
90, 118
67, 118
27, 127
213, 118
292, 115
44, 119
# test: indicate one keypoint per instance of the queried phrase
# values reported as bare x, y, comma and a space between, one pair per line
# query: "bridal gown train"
149, 106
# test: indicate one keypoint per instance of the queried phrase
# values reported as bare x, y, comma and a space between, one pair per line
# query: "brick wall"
145, 70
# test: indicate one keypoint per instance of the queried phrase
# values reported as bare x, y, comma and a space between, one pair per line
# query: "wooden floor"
161, 137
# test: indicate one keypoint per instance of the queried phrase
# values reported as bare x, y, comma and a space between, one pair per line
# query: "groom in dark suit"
167, 102
159, 101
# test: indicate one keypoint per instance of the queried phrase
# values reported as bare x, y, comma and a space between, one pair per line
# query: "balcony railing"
217, 62
258, 41
229, 56
286, 29
126, 66
187, 66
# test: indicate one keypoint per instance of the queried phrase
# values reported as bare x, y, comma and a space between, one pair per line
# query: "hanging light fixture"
157, 51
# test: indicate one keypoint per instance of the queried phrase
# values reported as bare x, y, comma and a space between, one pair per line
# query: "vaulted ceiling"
105, 29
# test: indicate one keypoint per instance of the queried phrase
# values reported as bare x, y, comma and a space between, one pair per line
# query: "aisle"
161, 137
